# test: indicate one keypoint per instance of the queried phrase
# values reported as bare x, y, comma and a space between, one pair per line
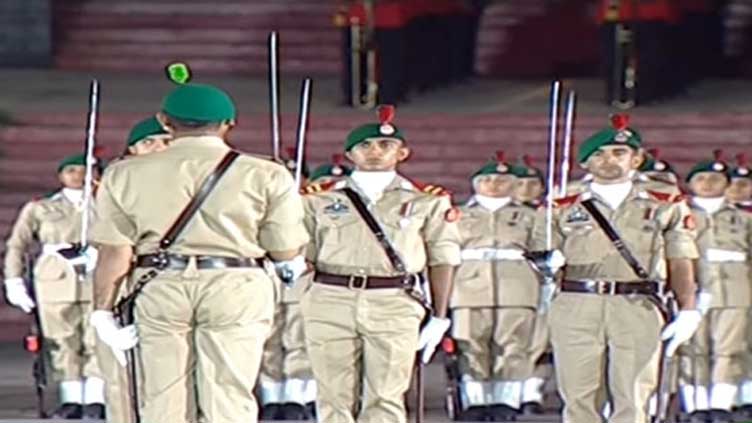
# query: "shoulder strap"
378, 232
207, 186
615, 239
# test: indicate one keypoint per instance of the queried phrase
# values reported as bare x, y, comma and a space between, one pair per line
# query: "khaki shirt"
254, 209
493, 271
725, 242
52, 221
421, 226
655, 226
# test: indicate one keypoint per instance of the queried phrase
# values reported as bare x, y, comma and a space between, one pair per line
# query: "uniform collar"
207, 141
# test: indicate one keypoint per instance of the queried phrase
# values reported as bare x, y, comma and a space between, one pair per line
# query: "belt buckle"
352, 284
162, 260
606, 287
489, 255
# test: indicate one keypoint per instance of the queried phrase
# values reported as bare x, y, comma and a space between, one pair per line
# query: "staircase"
217, 36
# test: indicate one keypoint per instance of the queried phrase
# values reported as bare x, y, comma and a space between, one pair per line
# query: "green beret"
494, 167
715, 166
144, 129
619, 133
652, 164
199, 103
329, 170
372, 130
75, 160
530, 171
741, 170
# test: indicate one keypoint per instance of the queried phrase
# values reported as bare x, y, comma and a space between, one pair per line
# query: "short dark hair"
192, 125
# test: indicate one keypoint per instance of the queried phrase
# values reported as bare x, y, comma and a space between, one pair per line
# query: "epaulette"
431, 189
315, 188
566, 201
666, 197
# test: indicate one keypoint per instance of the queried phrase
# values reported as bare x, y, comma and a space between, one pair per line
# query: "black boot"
293, 411
700, 416
532, 409
721, 416
94, 411
502, 413
270, 412
311, 407
68, 411
473, 414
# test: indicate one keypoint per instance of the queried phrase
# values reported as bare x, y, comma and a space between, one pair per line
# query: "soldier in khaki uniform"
715, 360
362, 325
201, 322
739, 193
529, 191
495, 296
288, 389
605, 327
63, 291
146, 137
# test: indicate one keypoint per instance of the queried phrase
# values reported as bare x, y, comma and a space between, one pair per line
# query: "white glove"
547, 291
704, 299
681, 329
17, 295
88, 258
119, 339
290, 270
431, 336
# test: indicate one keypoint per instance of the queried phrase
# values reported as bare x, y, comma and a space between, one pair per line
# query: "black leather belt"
611, 287
180, 262
364, 281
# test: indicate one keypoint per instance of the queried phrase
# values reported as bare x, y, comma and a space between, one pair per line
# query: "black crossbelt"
615, 239
373, 225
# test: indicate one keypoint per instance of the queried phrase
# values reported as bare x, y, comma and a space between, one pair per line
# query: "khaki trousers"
605, 344
362, 345
493, 343
540, 345
69, 340
201, 338
285, 355
718, 352
117, 394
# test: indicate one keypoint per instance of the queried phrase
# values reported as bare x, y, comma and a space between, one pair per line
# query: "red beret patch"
452, 215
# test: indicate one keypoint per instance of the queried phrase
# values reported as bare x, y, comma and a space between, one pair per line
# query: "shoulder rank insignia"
431, 189
577, 215
315, 188
336, 209
666, 197
566, 201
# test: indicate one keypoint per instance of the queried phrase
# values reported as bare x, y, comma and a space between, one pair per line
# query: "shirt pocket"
582, 243
336, 236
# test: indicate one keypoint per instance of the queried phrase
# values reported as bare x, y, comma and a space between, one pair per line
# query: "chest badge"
336, 209
577, 215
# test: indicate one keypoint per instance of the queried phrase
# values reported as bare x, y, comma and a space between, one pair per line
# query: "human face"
152, 144
739, 190
708, 184
496, 186
528, 189
378, 154
72, 176
612, 164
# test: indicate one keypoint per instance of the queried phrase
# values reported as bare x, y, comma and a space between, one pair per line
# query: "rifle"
451, 366
274, 93
305, 106
34, 343
420, 393
91, 129
666, 372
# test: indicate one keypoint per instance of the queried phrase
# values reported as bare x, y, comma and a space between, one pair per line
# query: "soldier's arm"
18, 242
441, 278
113, 266
442, 236
114, 234
681, 252
281, 232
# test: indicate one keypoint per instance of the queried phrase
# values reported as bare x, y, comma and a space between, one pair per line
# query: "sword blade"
305, 105
274, 93
552, 136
